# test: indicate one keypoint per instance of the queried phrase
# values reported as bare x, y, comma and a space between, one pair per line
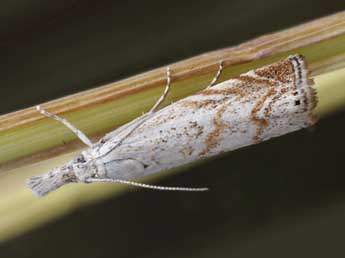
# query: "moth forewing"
255, 106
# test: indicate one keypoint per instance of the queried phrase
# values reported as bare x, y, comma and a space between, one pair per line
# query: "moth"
255, 106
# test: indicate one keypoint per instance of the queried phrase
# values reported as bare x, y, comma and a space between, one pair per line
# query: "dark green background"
282, 198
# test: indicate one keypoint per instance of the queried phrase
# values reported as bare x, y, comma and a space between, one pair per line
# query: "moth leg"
145, 116
122, 129
165, 93
75, 130
128, 129
138, 121
155, 187
216, 77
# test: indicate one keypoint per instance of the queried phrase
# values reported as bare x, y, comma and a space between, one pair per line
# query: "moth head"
85, 169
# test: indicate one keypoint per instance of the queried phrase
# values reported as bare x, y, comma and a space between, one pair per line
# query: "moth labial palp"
255, 106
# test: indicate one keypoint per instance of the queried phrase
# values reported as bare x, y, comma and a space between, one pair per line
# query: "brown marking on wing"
281, 71
255, 82
268, 109
206, 103
225, 92
187, 150
198, 128
199, 104
219, 127
243, 87
260, 122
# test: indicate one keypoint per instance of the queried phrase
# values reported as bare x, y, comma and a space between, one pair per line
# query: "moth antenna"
42, 185
154, 187
66, 123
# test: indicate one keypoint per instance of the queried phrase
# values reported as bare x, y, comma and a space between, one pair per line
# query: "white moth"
255, 106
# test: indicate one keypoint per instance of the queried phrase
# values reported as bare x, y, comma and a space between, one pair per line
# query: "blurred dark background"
282, 198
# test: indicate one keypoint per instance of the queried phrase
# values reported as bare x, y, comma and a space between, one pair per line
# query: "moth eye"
80, 159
